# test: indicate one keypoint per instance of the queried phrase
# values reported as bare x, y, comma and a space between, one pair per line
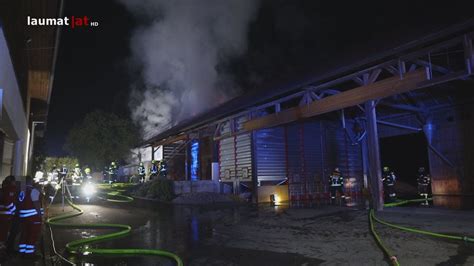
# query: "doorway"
404, 154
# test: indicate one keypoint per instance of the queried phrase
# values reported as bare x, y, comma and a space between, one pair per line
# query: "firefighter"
7, 208
153, 169
31, 213
54, 174
423, 181
141, 172
112, 172
336, 182
77, 178
87, 172
163, 170
105, 174
388, 181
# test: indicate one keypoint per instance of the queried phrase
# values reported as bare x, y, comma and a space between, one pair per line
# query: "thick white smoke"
178, 49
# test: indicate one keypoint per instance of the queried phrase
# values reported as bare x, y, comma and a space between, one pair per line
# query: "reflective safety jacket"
111, 170
163, 169
389, 179
7, 200
154, 169
141, 170
77, 171
424, 179
336, 180
26, 208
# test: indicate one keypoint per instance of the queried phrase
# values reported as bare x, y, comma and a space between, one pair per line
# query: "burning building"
285, 141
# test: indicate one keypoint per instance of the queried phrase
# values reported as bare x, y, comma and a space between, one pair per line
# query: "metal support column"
374, 165
186, 159
18, 158
468, 54
254, 167
2, 143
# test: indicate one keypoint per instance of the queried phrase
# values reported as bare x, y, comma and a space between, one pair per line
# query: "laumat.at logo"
71, 21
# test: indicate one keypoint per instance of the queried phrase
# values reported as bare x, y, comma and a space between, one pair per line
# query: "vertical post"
18, 158
254, 155
2, 143
374, 164
468, 54
365, 161
152, 152
186, 159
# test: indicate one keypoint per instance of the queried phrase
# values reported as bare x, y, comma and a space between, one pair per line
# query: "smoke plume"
178, 49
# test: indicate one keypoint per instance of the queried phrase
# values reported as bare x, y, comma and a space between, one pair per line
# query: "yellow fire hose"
386, 252
81, 246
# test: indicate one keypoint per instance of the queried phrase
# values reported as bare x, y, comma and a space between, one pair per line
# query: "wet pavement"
271, 235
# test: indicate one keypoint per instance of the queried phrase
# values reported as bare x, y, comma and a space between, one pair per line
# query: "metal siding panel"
294, 156
341, 153
270, 152
235, 153
244, 156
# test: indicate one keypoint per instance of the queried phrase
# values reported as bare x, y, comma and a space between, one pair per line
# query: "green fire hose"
80, 246
393, 258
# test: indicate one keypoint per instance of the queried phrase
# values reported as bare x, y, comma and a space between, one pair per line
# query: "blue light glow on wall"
194, 160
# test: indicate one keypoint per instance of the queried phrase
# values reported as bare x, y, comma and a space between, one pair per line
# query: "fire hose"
81, 246
385, 250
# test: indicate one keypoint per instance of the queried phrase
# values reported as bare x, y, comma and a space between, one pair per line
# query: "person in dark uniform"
153, 170
112, 172
424, 181
7, 209
163, 170
30, 213
141, 172
388, 181
336, 182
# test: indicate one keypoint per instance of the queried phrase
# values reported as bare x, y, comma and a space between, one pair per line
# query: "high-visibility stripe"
28, 214
30, 246
30, 251
22, 245
6, 212
11, 205
22, 250
28, 211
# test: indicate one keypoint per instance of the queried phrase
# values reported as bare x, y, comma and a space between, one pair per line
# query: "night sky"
288, 40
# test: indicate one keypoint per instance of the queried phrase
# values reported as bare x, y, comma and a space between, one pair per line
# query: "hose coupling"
394, 260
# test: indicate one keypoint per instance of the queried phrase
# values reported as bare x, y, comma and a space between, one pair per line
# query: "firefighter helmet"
141, 164
337, 170
386, 169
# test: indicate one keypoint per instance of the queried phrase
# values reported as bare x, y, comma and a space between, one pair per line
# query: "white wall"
145, 154
13, 121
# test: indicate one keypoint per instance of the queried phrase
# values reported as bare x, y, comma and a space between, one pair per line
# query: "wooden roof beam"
353, 97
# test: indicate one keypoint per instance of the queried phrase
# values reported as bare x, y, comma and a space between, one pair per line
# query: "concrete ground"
272, 235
